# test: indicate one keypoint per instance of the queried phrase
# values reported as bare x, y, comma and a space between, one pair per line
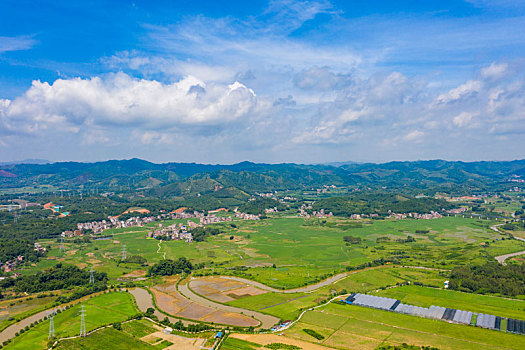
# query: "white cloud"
321, 78
463, 91
463, 119
153, 137
414, 135
119, 99
382, 115
16, 43
494, 71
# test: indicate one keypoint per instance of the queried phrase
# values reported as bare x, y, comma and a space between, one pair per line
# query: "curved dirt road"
501, 259
10, 331
305, 289
267, 321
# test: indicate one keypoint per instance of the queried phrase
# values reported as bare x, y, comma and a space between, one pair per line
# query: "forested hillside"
187, 179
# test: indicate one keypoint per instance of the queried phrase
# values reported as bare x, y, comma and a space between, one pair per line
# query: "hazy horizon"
336, 163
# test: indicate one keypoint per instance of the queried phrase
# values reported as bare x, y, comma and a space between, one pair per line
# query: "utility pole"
50, 316
91, 276
82, 322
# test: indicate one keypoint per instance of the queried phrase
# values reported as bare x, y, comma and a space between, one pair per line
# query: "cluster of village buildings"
113, 222
325, 189
172, 232
9, 266
245, 216
425, 216
182, 231
177, 231
459, 210
315, 214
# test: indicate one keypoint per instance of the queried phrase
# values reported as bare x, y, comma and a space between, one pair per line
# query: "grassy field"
302, 250
423, 296
238, 344
100, 310
108, 338
289, 306
139, 328
354, 327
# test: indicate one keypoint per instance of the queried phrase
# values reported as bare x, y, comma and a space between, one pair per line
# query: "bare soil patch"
135, 274
265, 339
223, 290
179, 343
171, 301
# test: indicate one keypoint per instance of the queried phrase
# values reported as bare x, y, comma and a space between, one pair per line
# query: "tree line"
489, 278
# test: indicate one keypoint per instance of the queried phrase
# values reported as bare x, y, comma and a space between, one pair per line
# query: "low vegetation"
489, 278
60, 276
170, 267
313, 333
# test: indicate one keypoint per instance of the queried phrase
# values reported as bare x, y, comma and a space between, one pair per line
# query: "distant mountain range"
26, 161
188, 179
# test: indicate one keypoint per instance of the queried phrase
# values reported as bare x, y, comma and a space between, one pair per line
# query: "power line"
82, 322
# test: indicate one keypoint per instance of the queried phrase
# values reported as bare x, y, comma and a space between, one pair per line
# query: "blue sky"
266, 81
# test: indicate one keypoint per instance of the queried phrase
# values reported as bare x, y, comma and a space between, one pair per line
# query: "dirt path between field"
267, 321
495, 228
158, 250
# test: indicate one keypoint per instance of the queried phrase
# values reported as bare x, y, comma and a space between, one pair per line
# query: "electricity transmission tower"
50, 316
82, 322
91, 276
124, 252
61, 248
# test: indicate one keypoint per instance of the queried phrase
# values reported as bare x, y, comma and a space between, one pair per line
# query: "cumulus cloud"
466, 90
385, 106
121, 100
374, 115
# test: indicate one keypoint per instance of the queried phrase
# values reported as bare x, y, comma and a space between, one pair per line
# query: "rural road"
501, 259
267, 321
10, 331
305, 289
